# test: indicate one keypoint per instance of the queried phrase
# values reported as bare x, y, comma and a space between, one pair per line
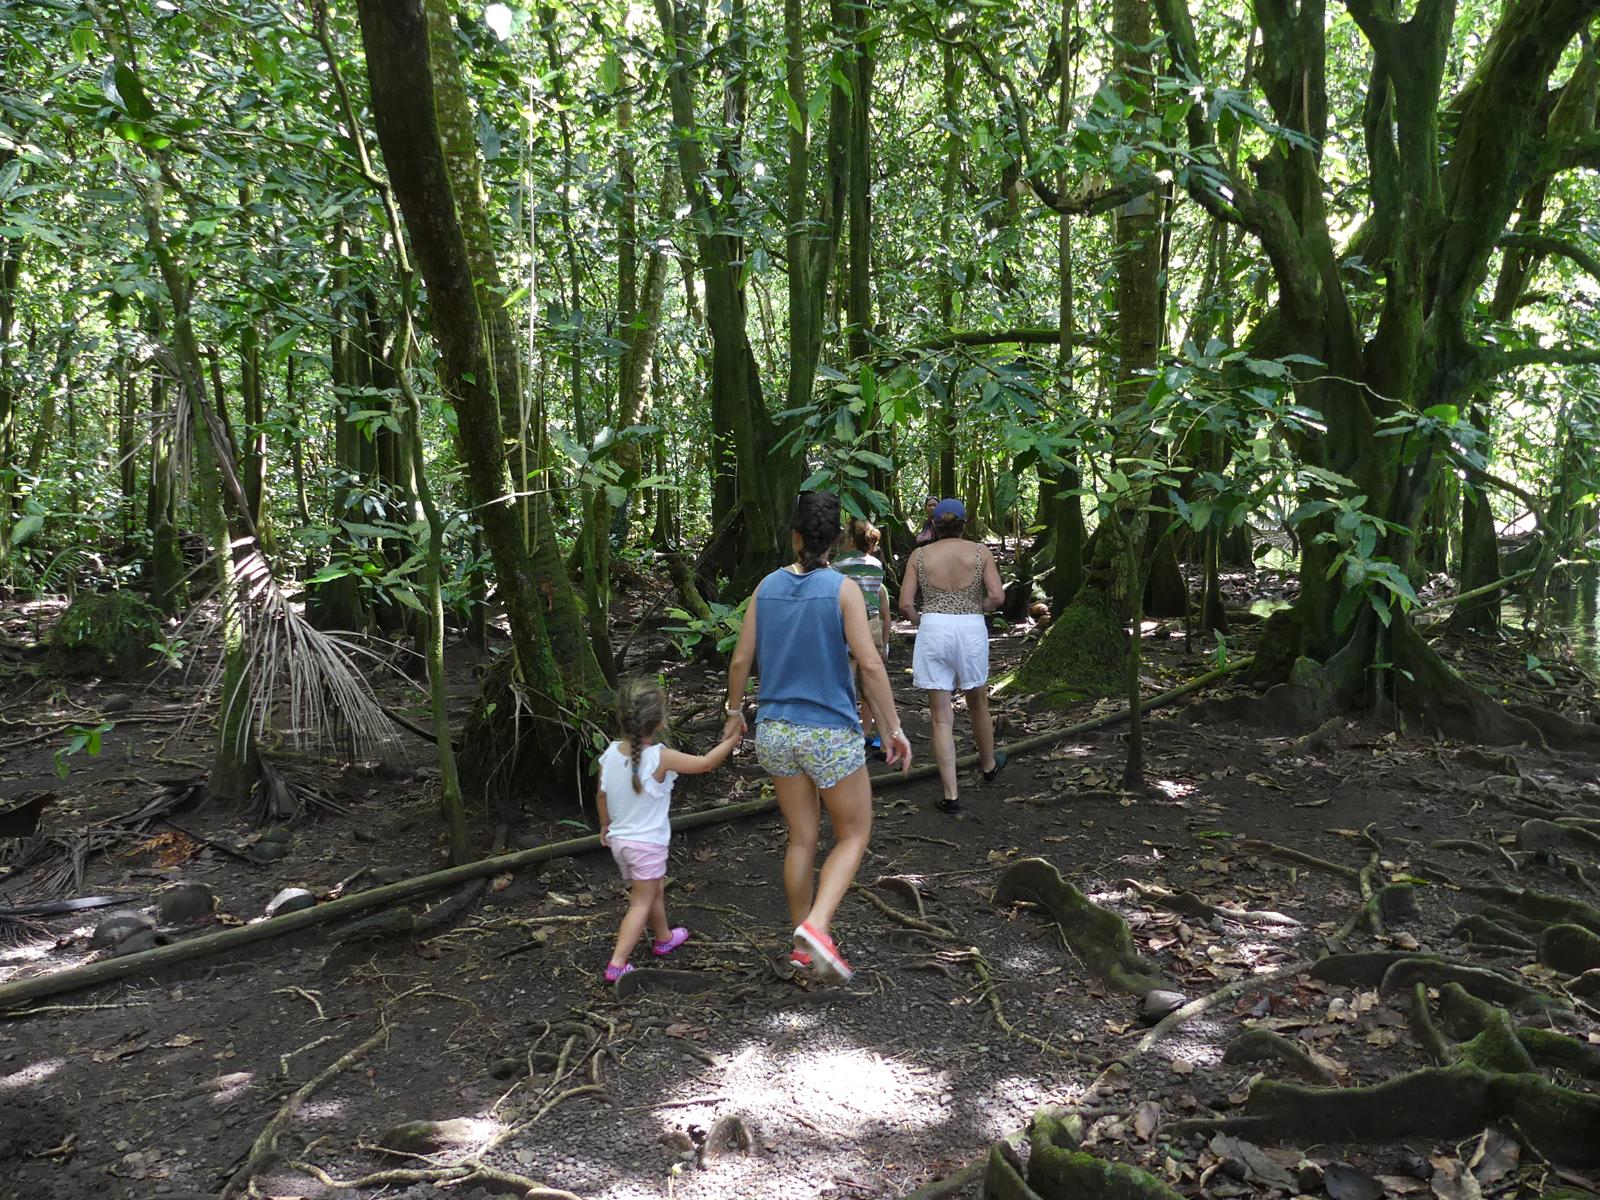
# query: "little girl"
636, 776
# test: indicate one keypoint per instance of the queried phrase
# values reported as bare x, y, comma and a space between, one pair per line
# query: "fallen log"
25, 991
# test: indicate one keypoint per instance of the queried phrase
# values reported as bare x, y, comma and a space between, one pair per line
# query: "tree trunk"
233, 763
395, 35
753, 480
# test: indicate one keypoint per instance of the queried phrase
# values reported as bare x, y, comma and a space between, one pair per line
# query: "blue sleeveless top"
801, 654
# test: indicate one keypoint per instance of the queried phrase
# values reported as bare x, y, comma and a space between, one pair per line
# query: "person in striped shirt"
859, 561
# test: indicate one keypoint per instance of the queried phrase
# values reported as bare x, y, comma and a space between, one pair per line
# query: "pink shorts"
640, 860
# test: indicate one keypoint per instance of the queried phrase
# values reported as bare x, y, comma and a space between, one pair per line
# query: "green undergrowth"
1082, 656
104, 631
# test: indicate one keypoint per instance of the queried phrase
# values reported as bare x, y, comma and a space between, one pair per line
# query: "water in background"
1574, 616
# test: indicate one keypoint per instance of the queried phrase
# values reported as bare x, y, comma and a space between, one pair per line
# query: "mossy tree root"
1570, 949
1255, 1045
1435, 1102
1097, 935
1059, 1170
1467, 1017
1485, 984
1481, 931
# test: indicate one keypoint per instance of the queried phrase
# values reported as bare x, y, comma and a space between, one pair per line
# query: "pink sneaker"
800, 959
676, 938
822, 946
614, 972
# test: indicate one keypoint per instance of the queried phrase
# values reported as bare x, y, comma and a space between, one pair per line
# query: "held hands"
897, 750
734, 726
605, 837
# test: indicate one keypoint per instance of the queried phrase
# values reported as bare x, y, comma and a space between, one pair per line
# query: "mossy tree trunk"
395, 35
1442, 193
233, 762
456, 141
753, 480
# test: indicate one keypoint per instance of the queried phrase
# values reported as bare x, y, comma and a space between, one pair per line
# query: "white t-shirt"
637, 816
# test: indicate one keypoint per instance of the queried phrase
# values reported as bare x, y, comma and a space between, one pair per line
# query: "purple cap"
950, 508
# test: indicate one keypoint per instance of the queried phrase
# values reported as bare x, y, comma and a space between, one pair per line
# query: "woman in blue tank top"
800, 629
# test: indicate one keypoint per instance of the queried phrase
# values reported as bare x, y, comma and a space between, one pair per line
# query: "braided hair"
816, 519
641, 710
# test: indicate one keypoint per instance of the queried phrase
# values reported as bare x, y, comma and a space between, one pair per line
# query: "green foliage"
720, 630
81, 739
104, 631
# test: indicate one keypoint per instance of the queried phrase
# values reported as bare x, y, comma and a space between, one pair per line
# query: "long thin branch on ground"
266, 1144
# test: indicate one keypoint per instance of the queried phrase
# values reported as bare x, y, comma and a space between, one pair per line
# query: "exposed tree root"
1480, 981
1210, 1000
1481, 931
1059, 1170
488, 1178
1098, 936
1187, 904
1570, 949
1257, 1045
1300, 858
919, 923
265, 1148
1434, 1044
1437, 1102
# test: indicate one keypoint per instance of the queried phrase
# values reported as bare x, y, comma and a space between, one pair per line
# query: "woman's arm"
874, 677
885, 617
698, 764
605, 816
744, 656
991, 581
908, 592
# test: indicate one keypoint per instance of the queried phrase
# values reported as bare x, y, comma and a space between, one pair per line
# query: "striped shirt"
867, 571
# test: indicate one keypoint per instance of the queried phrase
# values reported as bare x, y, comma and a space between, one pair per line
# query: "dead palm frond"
308, 676
305, 682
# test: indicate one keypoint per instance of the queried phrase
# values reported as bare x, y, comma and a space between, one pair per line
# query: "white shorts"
952, 652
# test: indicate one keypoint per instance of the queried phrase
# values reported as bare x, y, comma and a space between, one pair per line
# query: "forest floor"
943, 1043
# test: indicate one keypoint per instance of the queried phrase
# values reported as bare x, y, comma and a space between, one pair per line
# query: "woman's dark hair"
949, 526
863, 534
816, 519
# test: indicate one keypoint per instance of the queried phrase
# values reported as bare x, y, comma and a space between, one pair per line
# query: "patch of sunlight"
30, 1075
794, 1020
230, 1087
838, 1088
1027, 958
1265, 608
1174, 789
28, 952
323, 1110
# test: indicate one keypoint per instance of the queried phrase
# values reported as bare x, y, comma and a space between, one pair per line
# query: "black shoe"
1000, 758
950, 804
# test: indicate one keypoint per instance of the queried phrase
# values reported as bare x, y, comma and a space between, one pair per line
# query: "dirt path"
159, 1087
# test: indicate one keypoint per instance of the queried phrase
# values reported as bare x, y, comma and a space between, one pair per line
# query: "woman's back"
800, 650
950, 576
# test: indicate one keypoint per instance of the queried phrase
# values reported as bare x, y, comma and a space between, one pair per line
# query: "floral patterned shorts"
825, 753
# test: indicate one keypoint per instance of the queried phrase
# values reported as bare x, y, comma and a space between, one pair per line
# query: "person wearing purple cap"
950, 585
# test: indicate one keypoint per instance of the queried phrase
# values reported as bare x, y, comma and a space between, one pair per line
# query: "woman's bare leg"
944, 742
982, 725
849, 804
802, 813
